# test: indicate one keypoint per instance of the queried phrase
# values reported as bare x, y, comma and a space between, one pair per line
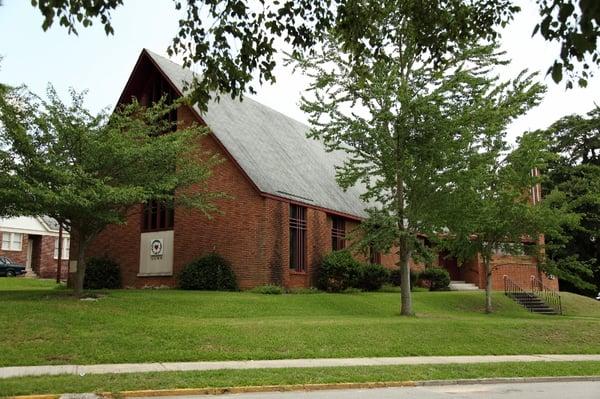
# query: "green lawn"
41, 324
236, 378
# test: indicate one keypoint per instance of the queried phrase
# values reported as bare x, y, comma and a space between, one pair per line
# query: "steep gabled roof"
272, 149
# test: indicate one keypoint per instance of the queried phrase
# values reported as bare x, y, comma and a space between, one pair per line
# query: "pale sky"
101, 64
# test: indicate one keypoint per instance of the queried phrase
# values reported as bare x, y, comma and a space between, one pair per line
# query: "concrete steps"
532, 303
457, 285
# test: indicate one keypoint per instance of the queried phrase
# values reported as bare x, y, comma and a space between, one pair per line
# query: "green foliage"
413, 130
211, 272
351, 290
303, 291
338, 271
396, 278
102, 273
268, 290
504, 205
88, 171
234, 41
576, 26
372, 277
438, 278
574, 256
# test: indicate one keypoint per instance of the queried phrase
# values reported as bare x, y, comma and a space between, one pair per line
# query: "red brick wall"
237, 231
44, 264
250, 230
17, 256
517, 268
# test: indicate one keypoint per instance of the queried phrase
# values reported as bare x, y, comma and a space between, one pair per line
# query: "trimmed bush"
438, 278
211, 273
303, 291
268, 290
338, 271
396, 278
372, 277
101, 272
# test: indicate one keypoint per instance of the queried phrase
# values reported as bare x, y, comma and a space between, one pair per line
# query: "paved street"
543, 390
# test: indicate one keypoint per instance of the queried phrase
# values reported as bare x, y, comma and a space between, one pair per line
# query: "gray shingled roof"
273, 149
50, 222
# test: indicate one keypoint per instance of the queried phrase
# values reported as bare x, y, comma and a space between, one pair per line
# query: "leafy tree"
411, 123
503, 215
576, 26
231, 40
575, 256
88, 171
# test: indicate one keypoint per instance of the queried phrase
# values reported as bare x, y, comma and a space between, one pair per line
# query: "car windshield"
4, 260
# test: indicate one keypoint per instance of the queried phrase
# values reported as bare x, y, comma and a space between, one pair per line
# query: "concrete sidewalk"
9, 372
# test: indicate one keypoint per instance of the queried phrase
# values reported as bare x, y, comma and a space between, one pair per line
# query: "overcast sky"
102, 64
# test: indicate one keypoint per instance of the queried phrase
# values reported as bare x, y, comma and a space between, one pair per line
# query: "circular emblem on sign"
156, 247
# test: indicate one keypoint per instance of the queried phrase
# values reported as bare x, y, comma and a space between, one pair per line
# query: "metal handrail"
510, 287
549, 295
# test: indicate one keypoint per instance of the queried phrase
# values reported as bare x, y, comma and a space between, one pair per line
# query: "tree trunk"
80, 274
488, 286
405, 294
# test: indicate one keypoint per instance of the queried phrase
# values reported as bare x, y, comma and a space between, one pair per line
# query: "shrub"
438, 278
389, 288
268, 290
303, 291
372, 277
211, 272
101, 272
338, 271
396, 278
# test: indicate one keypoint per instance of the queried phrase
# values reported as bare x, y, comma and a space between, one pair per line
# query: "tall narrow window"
65, 248
157, 216
158, 90
374, 256
338, 233
297, 238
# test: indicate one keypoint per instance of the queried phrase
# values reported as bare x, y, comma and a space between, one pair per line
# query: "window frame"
163, 213
297, 239
338, 233
11, 241
66, 246
374, 256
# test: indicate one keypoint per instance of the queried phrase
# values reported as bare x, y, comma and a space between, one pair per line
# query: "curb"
318, 387
127, 368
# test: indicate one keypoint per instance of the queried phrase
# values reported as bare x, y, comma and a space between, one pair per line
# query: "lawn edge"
319, 387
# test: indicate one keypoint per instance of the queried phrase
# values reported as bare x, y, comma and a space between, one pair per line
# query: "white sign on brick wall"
156, 253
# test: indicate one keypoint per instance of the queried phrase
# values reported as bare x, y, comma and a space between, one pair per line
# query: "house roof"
50, 223
272, 149
37, 225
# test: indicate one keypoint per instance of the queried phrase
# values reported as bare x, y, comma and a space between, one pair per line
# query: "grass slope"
235, 378
44, 325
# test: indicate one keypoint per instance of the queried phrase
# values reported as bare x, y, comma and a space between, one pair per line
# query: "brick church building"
284, 211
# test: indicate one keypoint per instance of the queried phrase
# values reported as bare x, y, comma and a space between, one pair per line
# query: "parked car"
598, 297
9, 268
